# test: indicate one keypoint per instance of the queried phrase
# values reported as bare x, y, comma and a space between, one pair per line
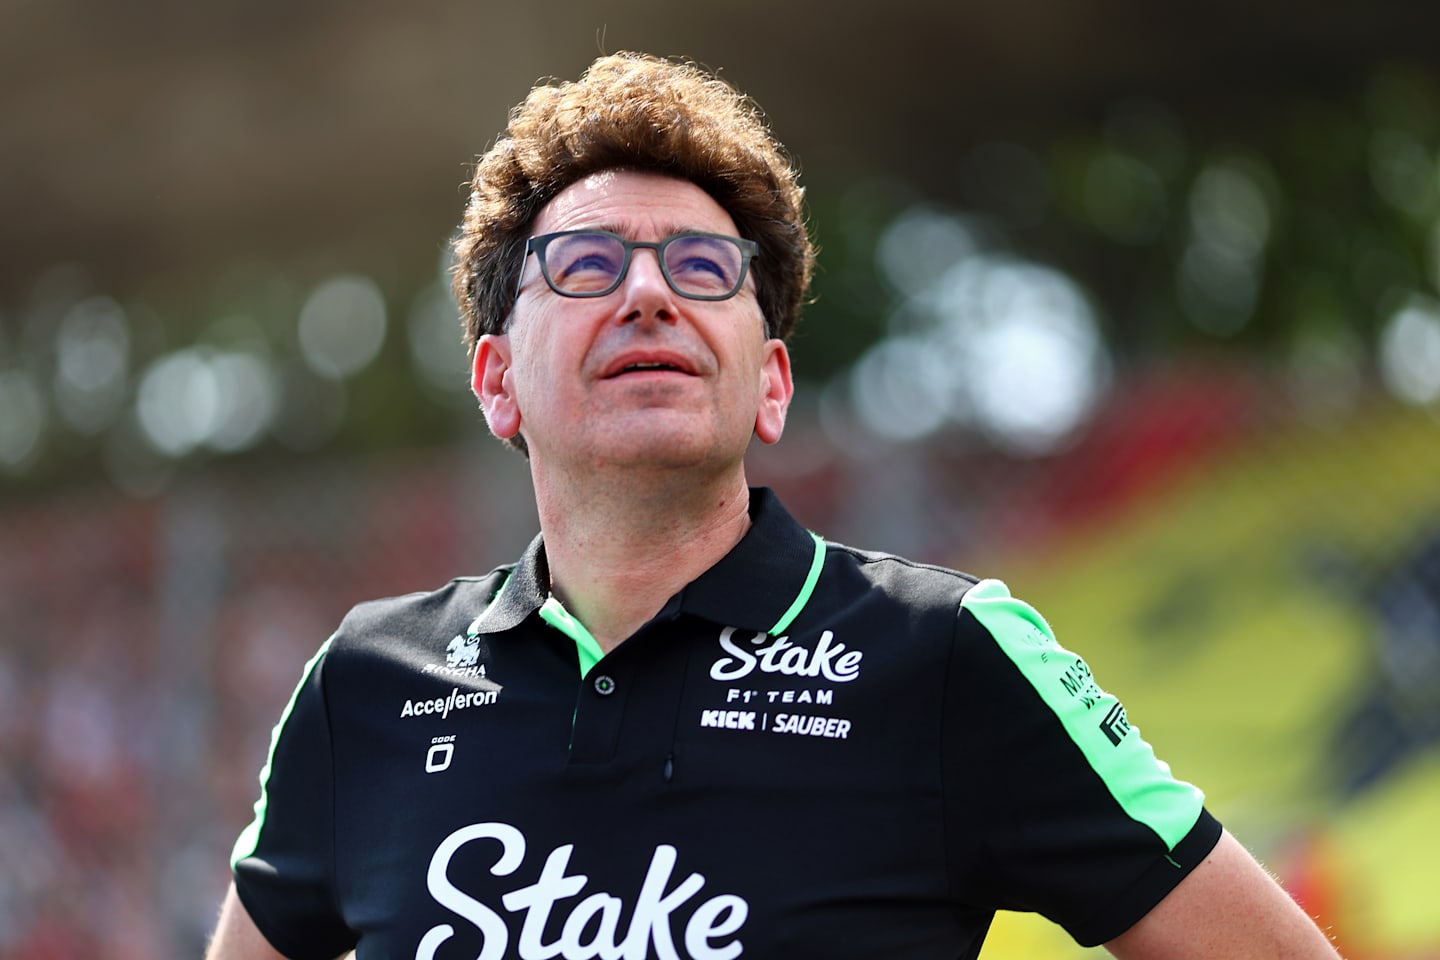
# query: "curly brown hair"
636, 112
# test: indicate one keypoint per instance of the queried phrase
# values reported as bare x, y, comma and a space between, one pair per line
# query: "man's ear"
776, 389
493, 385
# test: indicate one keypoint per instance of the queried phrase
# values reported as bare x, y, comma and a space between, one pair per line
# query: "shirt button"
604, 685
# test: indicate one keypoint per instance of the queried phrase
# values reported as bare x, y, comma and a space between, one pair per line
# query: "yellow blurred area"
1229, 615
1385, 849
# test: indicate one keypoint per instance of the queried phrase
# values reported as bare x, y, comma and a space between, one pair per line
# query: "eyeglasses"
593, 263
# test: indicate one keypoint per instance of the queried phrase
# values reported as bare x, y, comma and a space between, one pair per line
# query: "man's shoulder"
887, 595
459, 601
911, 580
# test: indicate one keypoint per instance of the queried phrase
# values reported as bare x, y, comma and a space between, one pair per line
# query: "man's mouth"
637, 367
650, 364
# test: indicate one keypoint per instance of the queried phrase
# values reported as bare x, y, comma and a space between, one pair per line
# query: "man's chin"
668, 446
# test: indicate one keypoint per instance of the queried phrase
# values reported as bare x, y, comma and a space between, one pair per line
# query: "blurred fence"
1260, 585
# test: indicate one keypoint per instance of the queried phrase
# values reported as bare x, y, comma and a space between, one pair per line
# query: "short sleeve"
284, 861
1055, 804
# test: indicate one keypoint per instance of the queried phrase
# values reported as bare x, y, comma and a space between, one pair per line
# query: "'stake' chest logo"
829, 660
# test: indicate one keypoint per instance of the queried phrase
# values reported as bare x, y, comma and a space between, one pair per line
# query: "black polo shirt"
811, 751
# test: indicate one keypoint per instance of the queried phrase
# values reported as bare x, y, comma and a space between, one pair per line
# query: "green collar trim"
587, 647
803, 597
554, 613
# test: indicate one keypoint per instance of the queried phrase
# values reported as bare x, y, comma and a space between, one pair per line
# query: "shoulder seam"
869, 557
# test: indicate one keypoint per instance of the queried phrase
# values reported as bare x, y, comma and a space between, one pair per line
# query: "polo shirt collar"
753, 585
750, 588
523, 592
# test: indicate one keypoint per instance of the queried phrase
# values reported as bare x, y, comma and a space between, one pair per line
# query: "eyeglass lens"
594, 263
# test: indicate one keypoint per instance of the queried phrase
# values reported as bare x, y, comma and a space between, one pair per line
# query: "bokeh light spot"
1228, 209
1410, 351
902, 388
24, 421
92, 356
918, 247
342, 326
246, 401
178, 402
434, 333
1033, 361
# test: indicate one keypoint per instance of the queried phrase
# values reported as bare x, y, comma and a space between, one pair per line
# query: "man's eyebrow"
666, 229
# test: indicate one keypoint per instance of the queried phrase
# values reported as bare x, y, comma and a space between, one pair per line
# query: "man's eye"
701, 265
592, 261
704, 264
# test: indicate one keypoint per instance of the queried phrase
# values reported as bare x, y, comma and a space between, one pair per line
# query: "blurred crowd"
149, 646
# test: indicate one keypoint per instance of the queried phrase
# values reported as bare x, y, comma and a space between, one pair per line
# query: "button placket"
599, 714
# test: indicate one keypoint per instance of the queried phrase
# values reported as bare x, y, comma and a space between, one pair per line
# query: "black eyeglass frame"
749, 249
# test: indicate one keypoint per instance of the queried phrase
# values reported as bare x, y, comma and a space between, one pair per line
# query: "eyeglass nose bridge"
629, 262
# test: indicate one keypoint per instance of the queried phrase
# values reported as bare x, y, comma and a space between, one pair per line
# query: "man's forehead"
583, 193
599, 180
610, 198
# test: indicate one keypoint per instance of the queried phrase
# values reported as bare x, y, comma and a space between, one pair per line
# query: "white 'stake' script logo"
592, 930
829, 660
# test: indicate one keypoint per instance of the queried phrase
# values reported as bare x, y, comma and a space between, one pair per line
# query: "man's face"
640, 376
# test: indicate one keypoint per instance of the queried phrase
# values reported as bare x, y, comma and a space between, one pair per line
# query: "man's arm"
1227, 907
237, 937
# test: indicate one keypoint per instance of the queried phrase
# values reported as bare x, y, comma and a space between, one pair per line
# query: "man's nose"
646, 291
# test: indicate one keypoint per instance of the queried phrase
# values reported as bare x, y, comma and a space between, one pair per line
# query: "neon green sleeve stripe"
249, 838
811, 578
1095, 720
555, 614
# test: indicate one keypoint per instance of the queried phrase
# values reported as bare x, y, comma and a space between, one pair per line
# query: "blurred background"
1134, 305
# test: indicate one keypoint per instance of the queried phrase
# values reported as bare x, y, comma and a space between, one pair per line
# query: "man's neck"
617, 551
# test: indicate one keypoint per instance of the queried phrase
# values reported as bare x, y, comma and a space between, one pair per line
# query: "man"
681, 726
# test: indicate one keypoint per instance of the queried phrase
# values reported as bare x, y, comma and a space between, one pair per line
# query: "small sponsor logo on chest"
829, 660
464, 664
457, 699
463, 658
767, 660
833, 728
